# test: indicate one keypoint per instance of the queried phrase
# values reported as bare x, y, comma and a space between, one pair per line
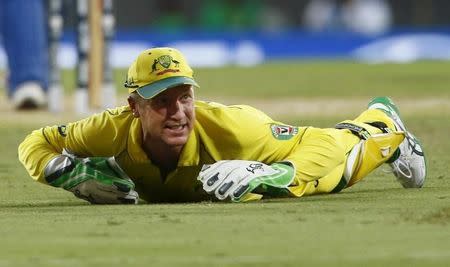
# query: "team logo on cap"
165, 61
283, 132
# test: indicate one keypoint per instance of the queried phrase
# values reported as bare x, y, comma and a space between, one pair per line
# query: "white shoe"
410, 167
29, 95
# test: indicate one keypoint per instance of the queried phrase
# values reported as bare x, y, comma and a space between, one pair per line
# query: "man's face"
168, 118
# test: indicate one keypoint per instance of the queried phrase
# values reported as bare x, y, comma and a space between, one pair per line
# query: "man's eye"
185, 97
159, 101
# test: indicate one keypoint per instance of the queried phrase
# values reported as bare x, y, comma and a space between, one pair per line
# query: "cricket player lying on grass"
166, 147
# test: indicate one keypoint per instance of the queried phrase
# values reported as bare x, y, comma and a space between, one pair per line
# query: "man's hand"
97, 180
236, 178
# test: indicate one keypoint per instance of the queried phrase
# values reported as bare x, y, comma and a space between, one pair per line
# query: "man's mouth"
176, 127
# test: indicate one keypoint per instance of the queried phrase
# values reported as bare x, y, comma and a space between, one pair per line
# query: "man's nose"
175, 109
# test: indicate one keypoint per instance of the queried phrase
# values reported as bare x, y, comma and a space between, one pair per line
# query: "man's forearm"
35, 153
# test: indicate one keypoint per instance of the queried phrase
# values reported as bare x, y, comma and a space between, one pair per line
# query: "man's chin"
176, 141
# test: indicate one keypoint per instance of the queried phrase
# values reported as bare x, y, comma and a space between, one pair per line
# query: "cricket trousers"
322, 153
24, 37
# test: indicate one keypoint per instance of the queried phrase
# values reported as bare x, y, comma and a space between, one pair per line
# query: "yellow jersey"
220, 133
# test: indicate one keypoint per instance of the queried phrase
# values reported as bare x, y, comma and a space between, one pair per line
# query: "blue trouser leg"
24, 32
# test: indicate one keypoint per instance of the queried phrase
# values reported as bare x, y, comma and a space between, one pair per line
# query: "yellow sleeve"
35, 152
101, 135
243, 132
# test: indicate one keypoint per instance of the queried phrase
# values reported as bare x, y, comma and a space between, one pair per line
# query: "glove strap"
57, 167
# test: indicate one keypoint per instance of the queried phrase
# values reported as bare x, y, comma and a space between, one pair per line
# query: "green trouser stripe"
394, 156
341, 185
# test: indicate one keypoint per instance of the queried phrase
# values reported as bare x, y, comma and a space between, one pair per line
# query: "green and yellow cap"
158, 69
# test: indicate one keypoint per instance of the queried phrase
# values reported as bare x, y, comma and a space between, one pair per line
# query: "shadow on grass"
27, 205
351, 194
346, 195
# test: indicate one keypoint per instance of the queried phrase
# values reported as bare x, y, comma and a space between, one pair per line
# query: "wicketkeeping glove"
97, 180
238, 179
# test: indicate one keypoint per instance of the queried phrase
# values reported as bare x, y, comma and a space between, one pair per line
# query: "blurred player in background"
369, 17
24, 37
170, 148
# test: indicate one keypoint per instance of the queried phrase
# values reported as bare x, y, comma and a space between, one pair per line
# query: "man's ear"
133, 106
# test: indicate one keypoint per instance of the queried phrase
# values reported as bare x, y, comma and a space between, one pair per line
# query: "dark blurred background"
254, 31
256, 14
214, 33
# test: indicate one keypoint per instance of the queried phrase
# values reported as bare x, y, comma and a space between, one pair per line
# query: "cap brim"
151, 90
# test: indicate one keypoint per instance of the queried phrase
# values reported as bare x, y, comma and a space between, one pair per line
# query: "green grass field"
374, 223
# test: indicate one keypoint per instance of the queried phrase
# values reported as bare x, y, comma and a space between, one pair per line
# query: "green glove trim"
272, 185
97, 168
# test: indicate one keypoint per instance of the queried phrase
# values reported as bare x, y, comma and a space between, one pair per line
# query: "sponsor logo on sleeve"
62, 130
283, 132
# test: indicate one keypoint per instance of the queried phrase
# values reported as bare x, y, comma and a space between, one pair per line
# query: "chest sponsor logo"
283, 132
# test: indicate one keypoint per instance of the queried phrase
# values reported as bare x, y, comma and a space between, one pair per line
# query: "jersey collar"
134, 148
190, 155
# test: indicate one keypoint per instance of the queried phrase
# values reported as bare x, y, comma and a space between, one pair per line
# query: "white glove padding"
97, 192
97, 180
236, 178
